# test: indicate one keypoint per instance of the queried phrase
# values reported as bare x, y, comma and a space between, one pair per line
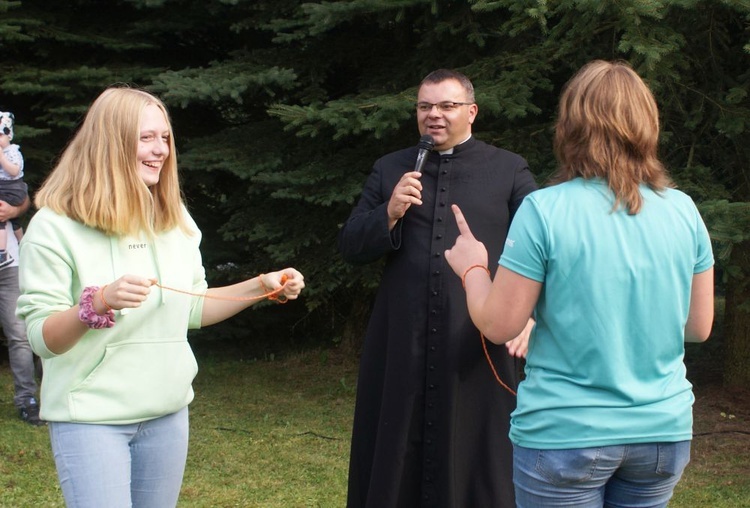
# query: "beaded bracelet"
87, 314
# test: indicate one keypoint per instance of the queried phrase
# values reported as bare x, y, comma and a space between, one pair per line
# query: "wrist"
472, 267
88, 314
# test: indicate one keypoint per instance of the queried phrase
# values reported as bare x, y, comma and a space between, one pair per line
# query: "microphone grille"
426, 142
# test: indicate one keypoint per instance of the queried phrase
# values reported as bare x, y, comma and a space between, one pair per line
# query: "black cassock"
431, 422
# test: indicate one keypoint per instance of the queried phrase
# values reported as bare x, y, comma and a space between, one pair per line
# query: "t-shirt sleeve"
526, 249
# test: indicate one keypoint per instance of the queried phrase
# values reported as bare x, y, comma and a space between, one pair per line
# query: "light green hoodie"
142, 367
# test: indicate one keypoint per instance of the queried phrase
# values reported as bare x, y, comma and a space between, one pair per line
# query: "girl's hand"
129, 291
290, 279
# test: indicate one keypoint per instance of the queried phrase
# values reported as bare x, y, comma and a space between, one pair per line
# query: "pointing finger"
463, 226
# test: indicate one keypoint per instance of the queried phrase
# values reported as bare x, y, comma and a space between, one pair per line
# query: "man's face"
447, 128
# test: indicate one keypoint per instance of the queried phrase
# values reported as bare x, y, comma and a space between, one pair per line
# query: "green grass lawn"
275, 433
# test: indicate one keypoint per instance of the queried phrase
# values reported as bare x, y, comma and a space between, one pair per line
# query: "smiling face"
448, 128
153, 144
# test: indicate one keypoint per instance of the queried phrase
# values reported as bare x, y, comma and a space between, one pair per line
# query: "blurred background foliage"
280, 108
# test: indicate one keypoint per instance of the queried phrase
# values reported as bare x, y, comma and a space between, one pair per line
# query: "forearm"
63, 330
224, 302
478, 284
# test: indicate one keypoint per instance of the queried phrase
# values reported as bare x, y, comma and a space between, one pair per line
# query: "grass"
274, 433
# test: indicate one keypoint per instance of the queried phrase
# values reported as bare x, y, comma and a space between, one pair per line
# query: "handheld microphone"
426, 144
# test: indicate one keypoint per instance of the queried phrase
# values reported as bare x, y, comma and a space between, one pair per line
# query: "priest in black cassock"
431, 420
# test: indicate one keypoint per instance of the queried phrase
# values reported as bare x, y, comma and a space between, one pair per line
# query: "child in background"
13, 189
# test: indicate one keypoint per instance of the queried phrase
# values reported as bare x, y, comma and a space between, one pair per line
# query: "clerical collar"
451, 149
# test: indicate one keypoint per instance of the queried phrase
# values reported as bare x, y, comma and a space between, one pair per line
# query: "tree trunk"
737, 319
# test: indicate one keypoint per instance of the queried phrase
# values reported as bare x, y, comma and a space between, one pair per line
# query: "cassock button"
440, 219
431, 387
432, 367
433, 348
435, 293
439, 237
437, 254
443, 189
436, 272
434, 330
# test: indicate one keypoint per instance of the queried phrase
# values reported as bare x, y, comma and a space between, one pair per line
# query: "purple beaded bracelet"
88, 315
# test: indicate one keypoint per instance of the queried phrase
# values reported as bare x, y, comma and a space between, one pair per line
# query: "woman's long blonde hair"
97, 181
608, 127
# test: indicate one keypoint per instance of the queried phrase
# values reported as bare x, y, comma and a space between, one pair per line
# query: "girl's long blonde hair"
97, 181
608, 127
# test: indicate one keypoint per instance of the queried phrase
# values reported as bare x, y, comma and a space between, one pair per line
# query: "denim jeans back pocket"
673, 458
560, 467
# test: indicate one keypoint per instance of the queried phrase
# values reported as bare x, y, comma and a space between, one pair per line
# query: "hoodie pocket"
135, 382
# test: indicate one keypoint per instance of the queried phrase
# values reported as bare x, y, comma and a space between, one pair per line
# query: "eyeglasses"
445, 106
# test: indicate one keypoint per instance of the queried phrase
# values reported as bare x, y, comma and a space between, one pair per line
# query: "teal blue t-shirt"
605, 362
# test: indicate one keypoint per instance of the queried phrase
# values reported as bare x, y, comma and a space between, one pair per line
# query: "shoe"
5, 260
30, 413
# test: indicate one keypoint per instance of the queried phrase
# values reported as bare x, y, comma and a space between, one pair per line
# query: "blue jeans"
138, 465
20, 357
627, 476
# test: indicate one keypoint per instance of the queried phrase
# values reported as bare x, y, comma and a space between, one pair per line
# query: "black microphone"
426, 144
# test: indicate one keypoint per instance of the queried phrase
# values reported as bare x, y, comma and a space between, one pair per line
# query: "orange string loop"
482, 337
270, 294
492, 366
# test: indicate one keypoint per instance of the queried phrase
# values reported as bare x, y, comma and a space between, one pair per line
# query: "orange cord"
274, 295
109, 309
484, 340
492, 366
271, 295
